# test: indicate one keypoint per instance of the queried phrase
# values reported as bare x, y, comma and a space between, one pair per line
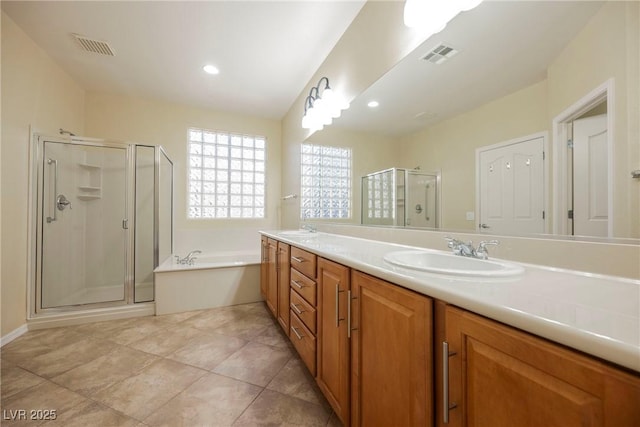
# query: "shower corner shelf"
88, 188
89, 166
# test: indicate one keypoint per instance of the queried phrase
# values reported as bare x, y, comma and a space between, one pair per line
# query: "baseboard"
90, 316
13, 335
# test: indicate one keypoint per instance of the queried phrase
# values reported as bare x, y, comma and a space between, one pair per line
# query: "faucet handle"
483, 244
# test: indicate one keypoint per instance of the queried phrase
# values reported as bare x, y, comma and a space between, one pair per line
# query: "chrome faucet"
308, 227
466, 249
189, 259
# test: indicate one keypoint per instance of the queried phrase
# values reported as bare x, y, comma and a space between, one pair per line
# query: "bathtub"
214, 280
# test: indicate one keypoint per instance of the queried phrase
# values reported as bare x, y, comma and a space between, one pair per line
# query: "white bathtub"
214, 280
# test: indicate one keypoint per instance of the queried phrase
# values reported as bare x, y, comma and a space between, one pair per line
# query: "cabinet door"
333, 341
264, 266
283, 285
391, 348
272, 277
499, 376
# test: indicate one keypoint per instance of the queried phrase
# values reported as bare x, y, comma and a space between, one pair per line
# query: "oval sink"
434, 262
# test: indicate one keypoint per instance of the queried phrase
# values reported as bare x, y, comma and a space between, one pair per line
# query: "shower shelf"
89, 166
89, 197
87, 188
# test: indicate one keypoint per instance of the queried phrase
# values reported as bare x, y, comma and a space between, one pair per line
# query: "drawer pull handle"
296, 259
298, 284
296, 309
445, 382
295, 331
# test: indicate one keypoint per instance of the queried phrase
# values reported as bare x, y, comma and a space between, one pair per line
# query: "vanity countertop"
597, 314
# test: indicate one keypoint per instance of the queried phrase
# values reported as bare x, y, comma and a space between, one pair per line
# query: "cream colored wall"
607, 48
35, 92
450, 146
375, 41
370, 153
157, 122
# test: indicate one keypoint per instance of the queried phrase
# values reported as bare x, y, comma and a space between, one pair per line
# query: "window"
226, 175
325, 182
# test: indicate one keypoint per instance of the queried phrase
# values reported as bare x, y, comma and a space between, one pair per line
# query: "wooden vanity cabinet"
264, 266
333, 336
271, 284
284, 274
500, 376
391, 355
302, 305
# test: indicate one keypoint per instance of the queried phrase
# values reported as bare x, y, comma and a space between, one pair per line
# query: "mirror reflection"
532, 121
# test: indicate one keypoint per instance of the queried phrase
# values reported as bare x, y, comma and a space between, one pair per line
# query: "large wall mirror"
528, 111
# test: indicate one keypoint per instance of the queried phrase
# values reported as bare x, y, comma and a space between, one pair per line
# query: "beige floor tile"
296, 381
103, 329
207, 351
166, 341
246, 328
212, 400
36, 343
275, 409
67, 357
255, 363
137, 330
175, 318
211, 319
273, 335
334, 421
45, 396
15, 379
105, 371
143, 393
92, 414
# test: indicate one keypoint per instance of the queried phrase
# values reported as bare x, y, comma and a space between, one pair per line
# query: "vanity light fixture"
322, 106
211, 69
432, 16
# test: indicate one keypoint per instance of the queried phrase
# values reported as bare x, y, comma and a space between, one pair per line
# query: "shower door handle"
55, 189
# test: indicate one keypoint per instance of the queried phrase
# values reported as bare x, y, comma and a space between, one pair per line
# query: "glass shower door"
83, 212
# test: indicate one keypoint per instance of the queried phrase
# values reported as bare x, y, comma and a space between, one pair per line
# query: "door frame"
545, 173
560, 135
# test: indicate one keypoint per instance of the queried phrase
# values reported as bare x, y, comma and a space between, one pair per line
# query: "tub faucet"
309, 228
189, 259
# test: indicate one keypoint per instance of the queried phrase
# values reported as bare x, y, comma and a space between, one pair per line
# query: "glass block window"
325, 182
226, 175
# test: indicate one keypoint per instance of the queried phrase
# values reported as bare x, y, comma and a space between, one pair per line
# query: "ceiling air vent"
95, 46
440, 54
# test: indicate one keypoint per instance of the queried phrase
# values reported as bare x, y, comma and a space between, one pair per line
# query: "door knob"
484, 226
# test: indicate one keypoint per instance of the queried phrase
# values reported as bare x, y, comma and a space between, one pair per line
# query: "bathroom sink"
440, 263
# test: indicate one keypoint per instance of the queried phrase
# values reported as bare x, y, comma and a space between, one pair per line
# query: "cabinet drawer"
303, 310
303, 286
304, 342
304, 262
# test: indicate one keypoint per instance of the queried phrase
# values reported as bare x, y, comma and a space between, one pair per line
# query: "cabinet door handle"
349, 314
445, 383
296, 309
338, 292
295, 331
295, 258
297, 284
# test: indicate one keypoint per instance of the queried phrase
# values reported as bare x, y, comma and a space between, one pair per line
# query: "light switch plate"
471, 216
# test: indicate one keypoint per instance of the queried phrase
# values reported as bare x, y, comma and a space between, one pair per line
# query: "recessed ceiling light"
211, 69
373, 104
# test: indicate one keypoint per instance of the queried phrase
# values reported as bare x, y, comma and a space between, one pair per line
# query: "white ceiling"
503, 46
266, 51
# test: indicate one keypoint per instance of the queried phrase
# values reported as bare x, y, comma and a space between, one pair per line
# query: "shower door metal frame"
36, 209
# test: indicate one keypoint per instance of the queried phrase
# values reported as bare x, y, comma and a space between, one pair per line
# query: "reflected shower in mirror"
401, 197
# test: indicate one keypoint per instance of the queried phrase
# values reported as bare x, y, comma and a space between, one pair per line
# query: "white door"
511, 187
590, 177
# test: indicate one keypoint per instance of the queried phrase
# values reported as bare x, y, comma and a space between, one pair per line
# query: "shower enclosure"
401, 197
102, 221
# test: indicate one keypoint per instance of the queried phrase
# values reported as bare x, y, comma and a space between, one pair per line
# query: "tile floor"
219, 367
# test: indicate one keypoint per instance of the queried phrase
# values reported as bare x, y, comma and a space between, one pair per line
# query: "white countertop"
597, 314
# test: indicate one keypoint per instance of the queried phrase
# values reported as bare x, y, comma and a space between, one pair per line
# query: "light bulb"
465, 5
306, 121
